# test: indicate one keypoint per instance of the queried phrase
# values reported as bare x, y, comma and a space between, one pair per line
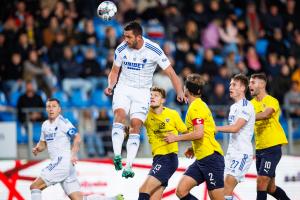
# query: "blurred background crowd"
52, 48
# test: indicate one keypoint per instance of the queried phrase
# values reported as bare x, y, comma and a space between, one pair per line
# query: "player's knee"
181, 192
119, 116
262, 183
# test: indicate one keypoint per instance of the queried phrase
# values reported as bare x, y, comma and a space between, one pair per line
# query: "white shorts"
135, 101
61, 170
237, 165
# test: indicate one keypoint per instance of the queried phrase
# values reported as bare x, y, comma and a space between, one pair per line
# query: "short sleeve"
68, 128
197, 117
244, 113
117, 58
180, 126
273, 103
42, 138
162, 60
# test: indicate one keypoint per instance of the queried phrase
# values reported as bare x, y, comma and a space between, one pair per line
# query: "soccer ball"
106, 10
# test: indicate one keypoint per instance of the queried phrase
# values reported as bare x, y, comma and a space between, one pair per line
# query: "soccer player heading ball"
138, 57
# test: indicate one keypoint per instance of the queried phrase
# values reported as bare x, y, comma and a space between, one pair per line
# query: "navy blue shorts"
163, 167
267, 160
209, 169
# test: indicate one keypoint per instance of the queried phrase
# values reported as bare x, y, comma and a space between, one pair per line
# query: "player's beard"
134, 44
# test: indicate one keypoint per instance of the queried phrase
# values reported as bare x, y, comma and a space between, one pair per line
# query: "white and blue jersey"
242, 140
58, 136
138, 65
239, 154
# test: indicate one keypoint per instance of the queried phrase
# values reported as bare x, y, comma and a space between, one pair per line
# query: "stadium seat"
71, 115
261, 47
5, 115
99, 99
14, 97
62, 97
219, 60
36, 131
22, 136
79, 98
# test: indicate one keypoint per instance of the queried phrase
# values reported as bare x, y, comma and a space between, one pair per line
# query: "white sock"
117, 136
132, 146
36, 194
228, 197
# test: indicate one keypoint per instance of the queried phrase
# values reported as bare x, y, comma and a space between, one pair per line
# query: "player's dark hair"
160, 90
135, 27
261, 76
243, 79
54, 99
194, 84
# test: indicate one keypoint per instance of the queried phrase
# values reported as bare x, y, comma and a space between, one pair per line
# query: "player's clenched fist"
108, 91
35, 151
189, 152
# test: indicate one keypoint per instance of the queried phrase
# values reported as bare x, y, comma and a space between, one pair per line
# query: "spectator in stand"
296, 77
277, 45
199, 15
110, 40
290, 19
94, 143
39, 72
71, 73
88, 36
32, 31
295, 47
281, 84
49, 32
292, 63
44, 18
193, 35
252, 19
273, 19
253, 61
219, 98
57, 48
209, 66
104, 130
30, 100
272, 67
235, 66
182, 48
228, 32
173, 21
10, 31
12, 74
23, 46
92, 70
292, 100
210, 36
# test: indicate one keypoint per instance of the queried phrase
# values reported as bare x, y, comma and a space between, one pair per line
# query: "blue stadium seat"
79, 98
22, 136
14, 97
5, 115
62, 97
36, 130
219, 60
99, 99
72, 116
261, 47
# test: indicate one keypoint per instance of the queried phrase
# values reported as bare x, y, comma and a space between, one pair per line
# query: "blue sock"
144, 196
261, 195
279, 194
189, 196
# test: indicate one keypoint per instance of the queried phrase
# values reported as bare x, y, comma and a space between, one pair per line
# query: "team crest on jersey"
145, 60
124, 57
167, 120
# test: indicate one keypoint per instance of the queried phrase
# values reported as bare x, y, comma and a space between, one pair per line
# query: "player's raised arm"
112, 79
41, 146
176, 83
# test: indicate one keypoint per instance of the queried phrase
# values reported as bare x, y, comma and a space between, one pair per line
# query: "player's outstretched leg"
117, 140
132, 146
